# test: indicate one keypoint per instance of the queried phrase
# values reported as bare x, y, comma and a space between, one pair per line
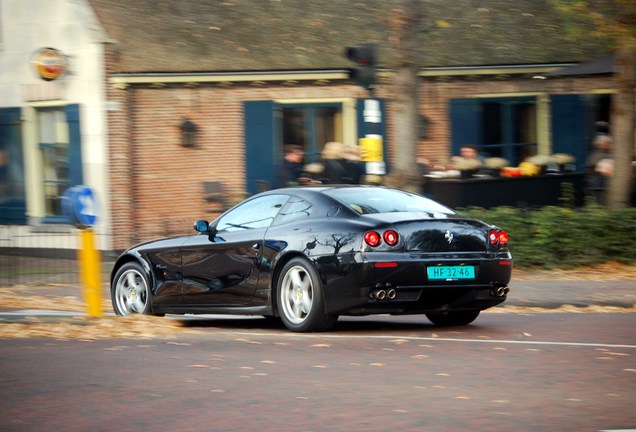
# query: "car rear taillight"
372, 238
498, 237
493, 237
503, 238
391, 237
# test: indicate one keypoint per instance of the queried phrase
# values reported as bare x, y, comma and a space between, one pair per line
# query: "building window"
12, 185
509, 130
502, 127
54, 151
270, 125
311, 126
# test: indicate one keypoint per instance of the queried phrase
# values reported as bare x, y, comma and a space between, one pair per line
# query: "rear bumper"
355, 283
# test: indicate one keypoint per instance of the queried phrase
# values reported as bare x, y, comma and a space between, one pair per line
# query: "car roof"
316, 193
313, 190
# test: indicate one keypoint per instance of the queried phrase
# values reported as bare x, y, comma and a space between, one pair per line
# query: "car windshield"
380, 200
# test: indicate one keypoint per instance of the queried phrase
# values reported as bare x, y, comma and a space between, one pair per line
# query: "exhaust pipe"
500, 291
389, 294
378, 294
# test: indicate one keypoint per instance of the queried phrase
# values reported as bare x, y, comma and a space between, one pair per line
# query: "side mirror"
201, 226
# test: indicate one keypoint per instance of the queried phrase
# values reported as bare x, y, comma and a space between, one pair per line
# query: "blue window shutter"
259, 131
571, 130
75, 145
13, 197
465, 123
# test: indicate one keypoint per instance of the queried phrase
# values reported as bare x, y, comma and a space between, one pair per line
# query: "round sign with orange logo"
49, 63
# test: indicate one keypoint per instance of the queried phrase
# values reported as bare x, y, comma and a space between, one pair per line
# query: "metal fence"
29, 257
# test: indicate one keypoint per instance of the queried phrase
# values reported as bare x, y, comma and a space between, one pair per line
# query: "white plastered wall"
70, 27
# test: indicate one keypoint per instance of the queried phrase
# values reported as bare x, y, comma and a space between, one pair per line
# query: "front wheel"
453, 318
130, 290
300, 300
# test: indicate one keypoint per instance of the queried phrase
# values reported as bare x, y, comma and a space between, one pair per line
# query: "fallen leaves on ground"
13, 298
87, 328
561, 309
606, 271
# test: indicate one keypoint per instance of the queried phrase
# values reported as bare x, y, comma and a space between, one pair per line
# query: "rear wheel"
300, 300
130, 291
453, 318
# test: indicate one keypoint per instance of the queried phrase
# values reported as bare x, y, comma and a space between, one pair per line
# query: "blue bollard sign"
80, 205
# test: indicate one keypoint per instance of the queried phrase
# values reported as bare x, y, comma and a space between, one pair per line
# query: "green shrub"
562, 237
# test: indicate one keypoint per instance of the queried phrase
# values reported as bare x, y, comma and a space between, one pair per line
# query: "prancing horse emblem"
449, 236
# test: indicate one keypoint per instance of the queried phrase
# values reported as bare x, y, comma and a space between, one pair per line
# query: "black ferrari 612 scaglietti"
310, 254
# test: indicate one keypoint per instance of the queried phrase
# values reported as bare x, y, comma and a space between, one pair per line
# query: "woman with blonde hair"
352, 164
332, 160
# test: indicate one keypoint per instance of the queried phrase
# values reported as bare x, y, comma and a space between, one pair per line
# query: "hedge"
564, 237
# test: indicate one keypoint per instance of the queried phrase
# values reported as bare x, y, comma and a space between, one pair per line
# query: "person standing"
353, 167
602, 150
332, 159
468, 152
599, 167
469, 162
290, 173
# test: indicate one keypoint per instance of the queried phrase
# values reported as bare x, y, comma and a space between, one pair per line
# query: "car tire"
300, 300
453, 318
130, 290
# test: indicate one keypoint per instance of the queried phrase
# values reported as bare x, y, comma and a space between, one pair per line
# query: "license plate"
450, 272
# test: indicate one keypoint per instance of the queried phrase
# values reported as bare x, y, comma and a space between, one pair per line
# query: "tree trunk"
405, 24
623, 128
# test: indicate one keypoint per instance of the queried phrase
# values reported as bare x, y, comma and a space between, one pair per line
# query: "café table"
488, 192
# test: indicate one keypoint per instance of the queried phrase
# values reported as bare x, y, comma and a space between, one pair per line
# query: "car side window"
257, 213
293, 211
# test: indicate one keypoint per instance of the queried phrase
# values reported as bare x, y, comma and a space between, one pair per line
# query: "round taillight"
503, 238
391, 237
372, 238
493, 237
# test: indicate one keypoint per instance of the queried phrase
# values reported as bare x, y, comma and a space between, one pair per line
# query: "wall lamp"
188, 133
423, 124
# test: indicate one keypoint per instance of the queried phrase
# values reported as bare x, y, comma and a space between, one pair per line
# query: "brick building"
252, 75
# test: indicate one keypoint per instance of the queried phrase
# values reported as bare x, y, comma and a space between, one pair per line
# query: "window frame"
74, 156
312, 148
243, 226
468, 125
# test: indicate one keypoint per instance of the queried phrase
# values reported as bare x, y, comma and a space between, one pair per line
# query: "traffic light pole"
372, 141
364, 74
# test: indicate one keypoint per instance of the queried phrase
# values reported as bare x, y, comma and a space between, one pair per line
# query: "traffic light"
364, 71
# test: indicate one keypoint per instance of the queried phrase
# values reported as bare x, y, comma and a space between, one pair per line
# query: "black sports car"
308, 255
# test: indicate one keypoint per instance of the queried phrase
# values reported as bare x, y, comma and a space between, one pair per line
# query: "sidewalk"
541, 289
553, 293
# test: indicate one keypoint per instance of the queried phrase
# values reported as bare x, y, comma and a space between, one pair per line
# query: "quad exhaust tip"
500, 291
389, 294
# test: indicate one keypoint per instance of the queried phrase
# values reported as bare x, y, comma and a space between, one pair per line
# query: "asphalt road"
512, 372
544, 291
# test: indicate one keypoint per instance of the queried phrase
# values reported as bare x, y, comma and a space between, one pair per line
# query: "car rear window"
379, 200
